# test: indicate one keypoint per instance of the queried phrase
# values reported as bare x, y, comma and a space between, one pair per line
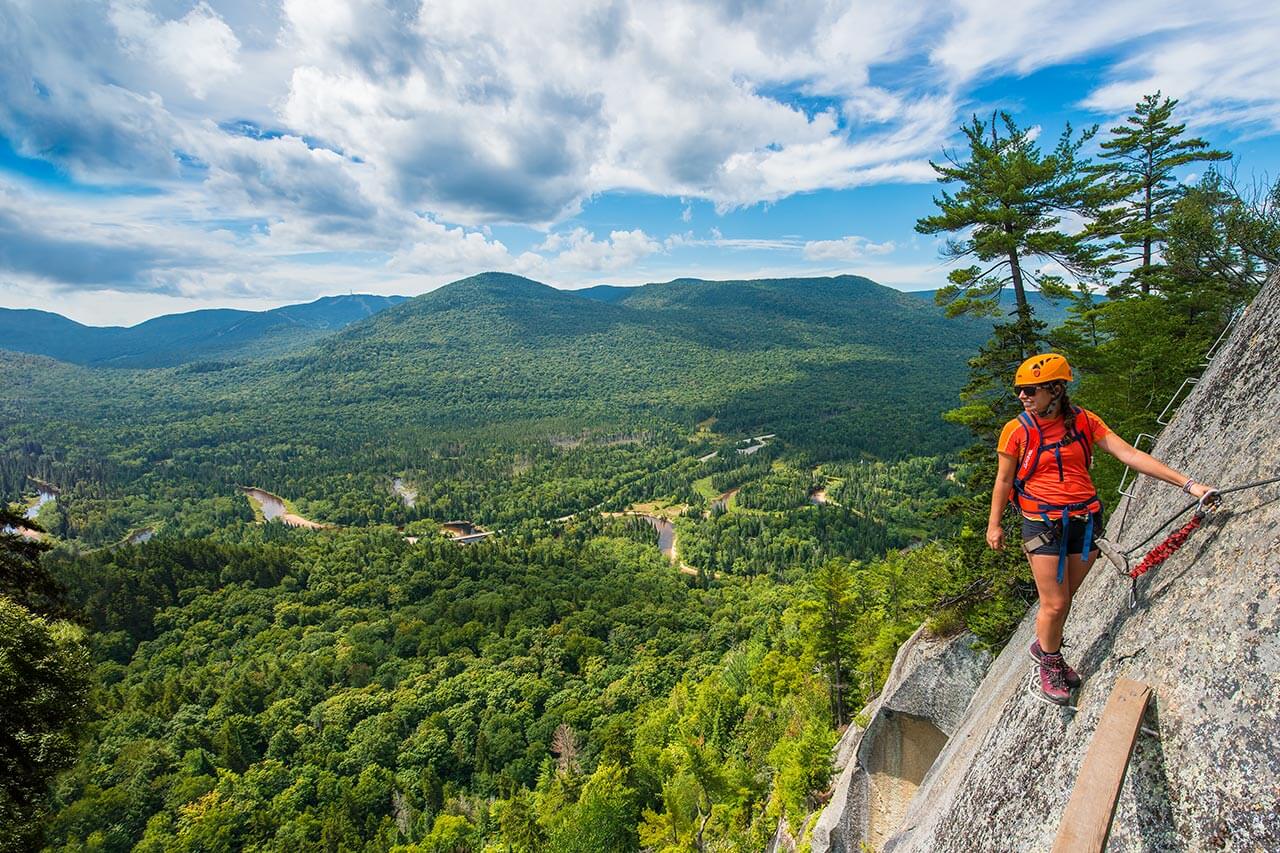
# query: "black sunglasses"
1029, 390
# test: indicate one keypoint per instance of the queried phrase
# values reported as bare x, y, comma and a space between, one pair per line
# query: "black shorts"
1075, 533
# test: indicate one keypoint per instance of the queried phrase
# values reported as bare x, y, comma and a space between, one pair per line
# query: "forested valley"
715, 510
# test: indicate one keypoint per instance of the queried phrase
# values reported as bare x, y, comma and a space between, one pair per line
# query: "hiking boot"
1070, 676
1052, 684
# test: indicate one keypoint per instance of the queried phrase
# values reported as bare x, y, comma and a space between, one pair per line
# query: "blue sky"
164, 156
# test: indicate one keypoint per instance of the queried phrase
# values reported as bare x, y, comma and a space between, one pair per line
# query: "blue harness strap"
1087, 548
1065, 520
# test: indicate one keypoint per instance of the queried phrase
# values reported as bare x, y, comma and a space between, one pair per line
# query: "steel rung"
1160, 419
1137, 444
1231, 324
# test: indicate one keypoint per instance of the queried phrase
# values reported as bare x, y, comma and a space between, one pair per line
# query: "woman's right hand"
995, 537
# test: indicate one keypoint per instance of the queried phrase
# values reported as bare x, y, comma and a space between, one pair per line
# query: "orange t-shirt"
1073, 484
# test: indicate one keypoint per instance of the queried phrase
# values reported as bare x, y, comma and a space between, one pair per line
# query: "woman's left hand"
1199, 490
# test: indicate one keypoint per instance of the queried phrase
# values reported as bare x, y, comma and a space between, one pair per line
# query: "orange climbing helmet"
1043, 368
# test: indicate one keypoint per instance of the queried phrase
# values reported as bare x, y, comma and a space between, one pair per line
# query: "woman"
1044, 457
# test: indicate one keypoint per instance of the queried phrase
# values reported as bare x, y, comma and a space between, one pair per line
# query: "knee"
1055, 608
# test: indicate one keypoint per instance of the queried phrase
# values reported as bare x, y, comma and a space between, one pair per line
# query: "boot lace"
1055, 671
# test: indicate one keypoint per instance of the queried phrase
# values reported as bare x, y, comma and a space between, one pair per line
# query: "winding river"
273, 508
666, 535
44, 498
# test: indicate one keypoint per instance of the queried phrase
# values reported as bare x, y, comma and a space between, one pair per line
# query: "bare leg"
1077, 569
1055, 600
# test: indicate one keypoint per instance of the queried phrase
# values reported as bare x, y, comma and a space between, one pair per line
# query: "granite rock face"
1205, 635
922, 704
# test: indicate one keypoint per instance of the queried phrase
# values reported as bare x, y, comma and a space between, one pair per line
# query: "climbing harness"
1171, 543
1030, 461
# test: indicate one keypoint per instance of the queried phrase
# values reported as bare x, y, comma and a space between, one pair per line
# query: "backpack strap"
1030, 449
1085, 428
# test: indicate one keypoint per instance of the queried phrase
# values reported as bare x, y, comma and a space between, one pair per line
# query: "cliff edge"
1206, 773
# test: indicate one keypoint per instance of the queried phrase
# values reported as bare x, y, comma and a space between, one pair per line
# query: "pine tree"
1010, 207
1223, 237
1138, 163
833, 605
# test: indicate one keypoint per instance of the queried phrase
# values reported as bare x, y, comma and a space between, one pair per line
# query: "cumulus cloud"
199, 48
578, 250
437, 248
286, 176
849, 248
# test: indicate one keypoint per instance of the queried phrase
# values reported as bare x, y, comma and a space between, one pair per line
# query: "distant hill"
837, 363
838, 368
181, 338
1053, 313
606, 292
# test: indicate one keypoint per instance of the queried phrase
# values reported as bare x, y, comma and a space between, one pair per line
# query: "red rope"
1165, 549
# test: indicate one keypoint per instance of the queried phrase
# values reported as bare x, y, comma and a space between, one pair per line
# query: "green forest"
179, 674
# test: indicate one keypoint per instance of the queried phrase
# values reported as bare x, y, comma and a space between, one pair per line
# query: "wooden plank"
1086, 823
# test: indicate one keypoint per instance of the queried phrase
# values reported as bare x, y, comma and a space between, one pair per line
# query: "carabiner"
1208, 502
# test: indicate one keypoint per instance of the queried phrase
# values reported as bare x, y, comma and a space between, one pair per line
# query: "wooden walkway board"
1086, 823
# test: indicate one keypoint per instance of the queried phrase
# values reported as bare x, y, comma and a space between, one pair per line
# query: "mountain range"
180, 338
839, 367
225, 333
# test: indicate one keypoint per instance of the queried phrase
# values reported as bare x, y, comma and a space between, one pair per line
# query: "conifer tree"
1138, 163
833, 605
1009, 211
1224, 237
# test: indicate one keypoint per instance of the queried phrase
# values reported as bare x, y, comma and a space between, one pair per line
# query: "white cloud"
199, 48
850, 248
437, 248
1222, 73
994, 34
578, 250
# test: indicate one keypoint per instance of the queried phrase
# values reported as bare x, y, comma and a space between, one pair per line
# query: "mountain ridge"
174, 339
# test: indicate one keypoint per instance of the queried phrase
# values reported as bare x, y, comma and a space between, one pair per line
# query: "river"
44, 498
666, 535
409, 496
273, 508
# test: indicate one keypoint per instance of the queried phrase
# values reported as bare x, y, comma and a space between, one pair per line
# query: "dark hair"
1068, 419
1063, 399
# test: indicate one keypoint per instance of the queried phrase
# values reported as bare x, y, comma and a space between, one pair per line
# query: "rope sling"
1166, 549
